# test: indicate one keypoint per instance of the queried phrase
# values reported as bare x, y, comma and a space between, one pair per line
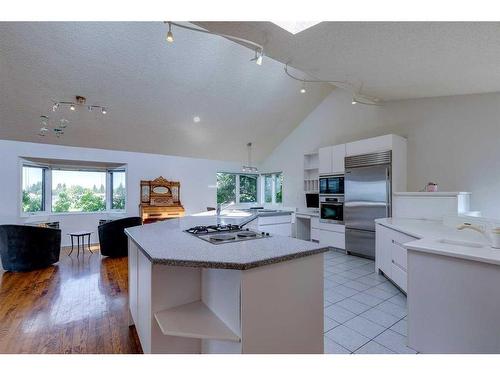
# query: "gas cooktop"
221, 234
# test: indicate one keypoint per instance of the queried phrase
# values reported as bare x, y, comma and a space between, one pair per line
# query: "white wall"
197, 178
453, 141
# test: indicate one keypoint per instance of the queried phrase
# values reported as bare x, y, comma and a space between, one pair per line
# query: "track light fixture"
357, 96
63, 123
259, 49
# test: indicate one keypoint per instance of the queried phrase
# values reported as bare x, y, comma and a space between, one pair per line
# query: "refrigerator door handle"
388, 192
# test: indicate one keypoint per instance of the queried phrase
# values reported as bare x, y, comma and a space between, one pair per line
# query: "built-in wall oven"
331, 208
331, 185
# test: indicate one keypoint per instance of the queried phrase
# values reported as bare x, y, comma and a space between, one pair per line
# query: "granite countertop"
429, 236
166, 243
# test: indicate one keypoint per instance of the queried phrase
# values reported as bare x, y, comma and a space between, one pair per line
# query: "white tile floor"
364, 312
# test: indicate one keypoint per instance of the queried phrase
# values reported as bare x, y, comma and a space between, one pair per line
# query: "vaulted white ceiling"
393, 60
152, 89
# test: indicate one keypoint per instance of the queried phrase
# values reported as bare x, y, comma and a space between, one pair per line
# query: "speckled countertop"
166, 243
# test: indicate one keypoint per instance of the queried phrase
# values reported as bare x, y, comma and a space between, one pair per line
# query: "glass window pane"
248, 188
33, 200
119, 190
226, 187
268, 188
78, 191
279, 187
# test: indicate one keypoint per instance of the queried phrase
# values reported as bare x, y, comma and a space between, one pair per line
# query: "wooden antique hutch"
160, 200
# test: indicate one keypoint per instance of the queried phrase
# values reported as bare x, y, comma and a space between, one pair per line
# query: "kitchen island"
188, 295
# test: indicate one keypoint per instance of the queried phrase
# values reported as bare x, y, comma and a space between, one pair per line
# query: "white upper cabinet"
367, 146
331, 159
325, 160
338, 156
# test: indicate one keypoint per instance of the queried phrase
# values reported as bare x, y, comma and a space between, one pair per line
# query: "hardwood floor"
79, 305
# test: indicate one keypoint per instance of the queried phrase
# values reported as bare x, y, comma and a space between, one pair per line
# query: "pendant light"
248, 168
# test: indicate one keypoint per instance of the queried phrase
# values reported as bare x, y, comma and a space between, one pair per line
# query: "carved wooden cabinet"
160, 200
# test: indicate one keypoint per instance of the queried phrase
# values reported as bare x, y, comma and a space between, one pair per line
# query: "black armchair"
112, 238
27, 248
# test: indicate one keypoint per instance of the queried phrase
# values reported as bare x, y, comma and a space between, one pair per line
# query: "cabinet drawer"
339, 228
269, 220
315, 222
399, 276
399, 254
333, 239
278, 229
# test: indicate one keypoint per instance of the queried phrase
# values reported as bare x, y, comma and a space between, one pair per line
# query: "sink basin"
461, 243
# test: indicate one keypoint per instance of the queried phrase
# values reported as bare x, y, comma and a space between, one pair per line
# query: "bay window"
56, 189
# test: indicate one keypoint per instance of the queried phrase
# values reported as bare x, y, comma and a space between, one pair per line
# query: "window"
237, 188
33, 185
118, 189
248, 188
50, 188
273, 188
78, 191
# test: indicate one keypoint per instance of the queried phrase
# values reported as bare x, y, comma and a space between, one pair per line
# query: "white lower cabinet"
278, 225
390, 254
332, 238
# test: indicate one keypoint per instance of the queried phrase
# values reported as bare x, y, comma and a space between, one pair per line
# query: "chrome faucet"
223, 206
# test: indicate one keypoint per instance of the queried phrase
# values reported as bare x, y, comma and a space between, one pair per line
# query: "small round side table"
78, 235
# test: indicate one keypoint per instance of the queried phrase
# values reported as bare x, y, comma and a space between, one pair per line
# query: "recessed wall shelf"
311, 172
194, 320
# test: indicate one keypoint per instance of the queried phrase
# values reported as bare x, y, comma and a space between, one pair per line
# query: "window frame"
274, 176
45, 179
109, 200
47, 188
237, 188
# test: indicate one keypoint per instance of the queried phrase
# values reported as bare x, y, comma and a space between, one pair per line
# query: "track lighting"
44, 121
103, 110
170, 36
72, 107
55, 106
353, 101
259, 49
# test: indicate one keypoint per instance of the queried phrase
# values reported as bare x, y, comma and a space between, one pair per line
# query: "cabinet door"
338, 156
325, 160
366, 146
132, 280
383, 250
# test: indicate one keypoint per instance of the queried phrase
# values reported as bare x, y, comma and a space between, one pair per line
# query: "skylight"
295, 27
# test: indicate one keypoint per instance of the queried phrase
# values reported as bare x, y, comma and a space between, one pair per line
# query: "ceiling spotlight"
196, 119
63, 123
170, 36
303, 88
72, 107
354, 101
55, 106
258, 56
259, 59
103, 110
89, 108
44, 121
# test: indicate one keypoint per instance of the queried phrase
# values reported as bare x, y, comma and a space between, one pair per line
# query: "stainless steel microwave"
333, 184
331, 209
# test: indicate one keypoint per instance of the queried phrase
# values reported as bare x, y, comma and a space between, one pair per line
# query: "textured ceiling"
152, 89
393, 60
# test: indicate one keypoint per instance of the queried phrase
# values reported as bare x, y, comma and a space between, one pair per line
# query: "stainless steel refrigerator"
367, 197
